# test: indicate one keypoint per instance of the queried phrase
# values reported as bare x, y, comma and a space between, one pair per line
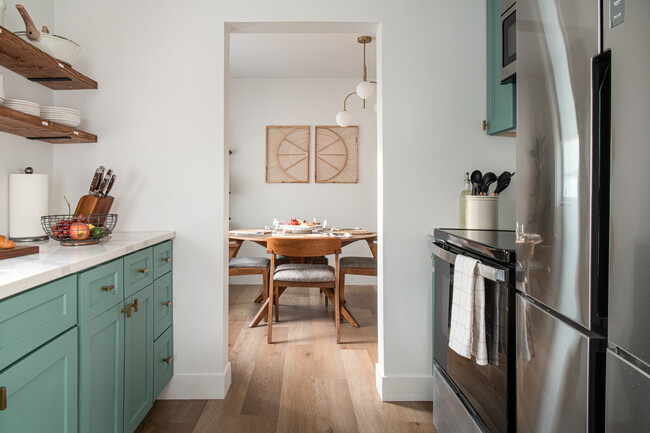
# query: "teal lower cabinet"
101, 373
138, 352
90, 352
41, 389
163, 361
162, 310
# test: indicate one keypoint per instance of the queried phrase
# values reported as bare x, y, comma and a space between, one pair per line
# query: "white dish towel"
467, 329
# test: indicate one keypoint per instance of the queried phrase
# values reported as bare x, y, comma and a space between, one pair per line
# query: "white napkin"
467, 329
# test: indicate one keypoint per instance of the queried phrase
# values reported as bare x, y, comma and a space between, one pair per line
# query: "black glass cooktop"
496, 244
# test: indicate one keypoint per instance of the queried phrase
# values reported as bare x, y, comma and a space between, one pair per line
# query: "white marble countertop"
56, 261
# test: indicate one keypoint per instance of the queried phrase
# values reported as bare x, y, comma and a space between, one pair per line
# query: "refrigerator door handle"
601, 156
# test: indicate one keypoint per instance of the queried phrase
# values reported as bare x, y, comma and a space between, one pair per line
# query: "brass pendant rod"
345, 101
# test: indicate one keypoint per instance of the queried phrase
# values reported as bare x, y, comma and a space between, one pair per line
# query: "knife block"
90, 204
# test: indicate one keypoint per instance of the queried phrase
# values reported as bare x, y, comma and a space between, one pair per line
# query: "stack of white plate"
26, 107
2, 88
65, 116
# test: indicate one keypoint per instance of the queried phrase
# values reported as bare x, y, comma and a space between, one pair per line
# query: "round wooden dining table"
260, 236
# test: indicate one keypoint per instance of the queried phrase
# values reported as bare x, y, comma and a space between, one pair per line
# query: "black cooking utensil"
476, 178
488, 179
503, 182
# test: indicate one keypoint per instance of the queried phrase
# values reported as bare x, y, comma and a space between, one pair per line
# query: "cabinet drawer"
163, 362
100, 289
42, 389
32, 318
138, 271
162, 259
162, 305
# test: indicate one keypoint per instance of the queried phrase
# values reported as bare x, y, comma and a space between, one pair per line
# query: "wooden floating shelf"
35, 128
25, 59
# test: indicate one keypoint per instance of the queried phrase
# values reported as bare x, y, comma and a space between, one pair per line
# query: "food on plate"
297, 222
6, 243
79, 231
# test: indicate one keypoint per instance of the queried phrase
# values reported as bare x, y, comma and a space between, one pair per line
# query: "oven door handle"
488, 272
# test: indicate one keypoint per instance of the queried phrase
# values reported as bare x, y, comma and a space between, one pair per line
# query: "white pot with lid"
60, 48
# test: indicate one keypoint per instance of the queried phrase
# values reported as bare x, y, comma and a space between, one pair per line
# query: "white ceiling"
300, 55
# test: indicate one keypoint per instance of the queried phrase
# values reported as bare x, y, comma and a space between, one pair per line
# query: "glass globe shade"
343, 118
365, 89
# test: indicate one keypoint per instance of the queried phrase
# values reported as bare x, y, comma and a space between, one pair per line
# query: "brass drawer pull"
167, 259
3, 398
126, 310
135, 305
143, 271
168, 360
167, 304
108, 288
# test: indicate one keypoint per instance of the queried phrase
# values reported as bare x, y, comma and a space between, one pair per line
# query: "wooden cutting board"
18, 251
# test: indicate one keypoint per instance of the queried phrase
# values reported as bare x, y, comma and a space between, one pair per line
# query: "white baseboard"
403, 388
198, 386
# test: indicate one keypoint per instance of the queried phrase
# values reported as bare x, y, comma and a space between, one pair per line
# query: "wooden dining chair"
249, 266
353, 265
286, 275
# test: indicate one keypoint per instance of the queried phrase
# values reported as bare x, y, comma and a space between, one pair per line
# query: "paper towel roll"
28, 201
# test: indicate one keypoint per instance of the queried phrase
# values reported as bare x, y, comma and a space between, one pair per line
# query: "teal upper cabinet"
501, 98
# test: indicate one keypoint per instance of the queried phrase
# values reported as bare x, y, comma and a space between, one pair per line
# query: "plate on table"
302, 228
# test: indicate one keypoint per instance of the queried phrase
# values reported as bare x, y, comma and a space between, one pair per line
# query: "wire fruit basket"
72, 230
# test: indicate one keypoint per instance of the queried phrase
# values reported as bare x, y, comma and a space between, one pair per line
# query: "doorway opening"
298, 74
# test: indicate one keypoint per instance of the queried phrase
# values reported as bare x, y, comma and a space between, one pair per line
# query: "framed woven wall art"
287, 154
337, 154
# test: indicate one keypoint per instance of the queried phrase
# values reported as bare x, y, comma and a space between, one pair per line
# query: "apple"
79, 231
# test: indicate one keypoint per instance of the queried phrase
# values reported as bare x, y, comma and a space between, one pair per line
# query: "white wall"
16, 152
256, 103
160, 115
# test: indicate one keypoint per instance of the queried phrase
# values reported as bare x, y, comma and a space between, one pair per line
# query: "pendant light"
365, 89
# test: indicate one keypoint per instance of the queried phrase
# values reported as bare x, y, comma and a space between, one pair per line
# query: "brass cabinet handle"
108, 288
168, 359
166, 259
3, 398
486, 124
143, 271
167, 304
135, 305
126, 310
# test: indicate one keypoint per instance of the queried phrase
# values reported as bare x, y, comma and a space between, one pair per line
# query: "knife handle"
110, 185
93, 183
102, 186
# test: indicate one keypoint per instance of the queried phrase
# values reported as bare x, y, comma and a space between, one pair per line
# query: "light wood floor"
304, 382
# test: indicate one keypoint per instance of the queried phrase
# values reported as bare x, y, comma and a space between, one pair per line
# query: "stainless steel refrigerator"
583, 244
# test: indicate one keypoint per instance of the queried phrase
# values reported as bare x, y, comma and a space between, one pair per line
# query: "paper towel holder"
28, 171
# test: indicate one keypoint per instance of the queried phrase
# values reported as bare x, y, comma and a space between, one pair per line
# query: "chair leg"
269, 318
259, 298
337, 311
326, 299
342, 285
277, 305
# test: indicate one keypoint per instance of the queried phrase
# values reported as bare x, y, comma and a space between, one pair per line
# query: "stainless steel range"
469, 397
